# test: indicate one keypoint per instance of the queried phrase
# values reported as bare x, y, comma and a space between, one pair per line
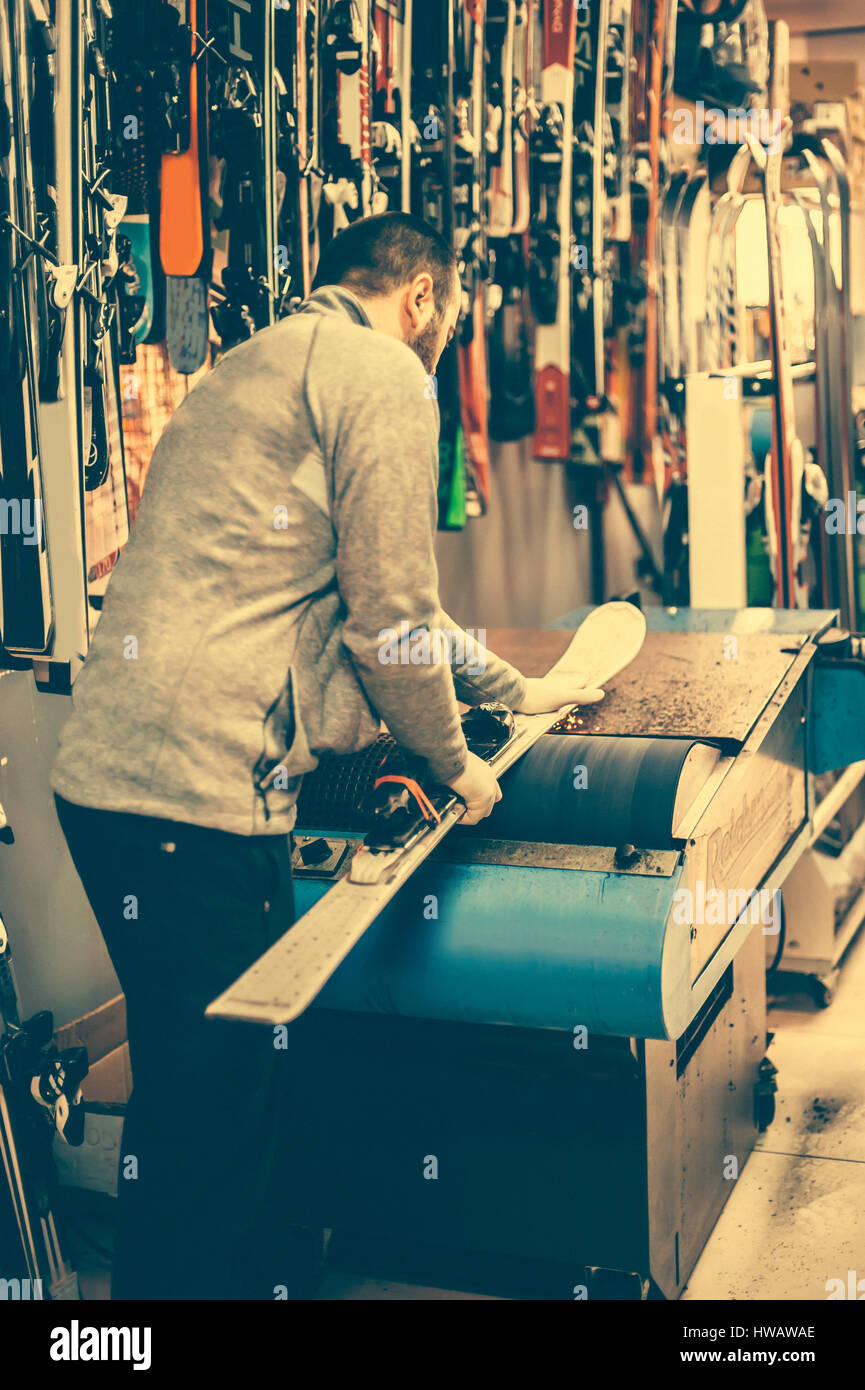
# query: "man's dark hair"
376, 255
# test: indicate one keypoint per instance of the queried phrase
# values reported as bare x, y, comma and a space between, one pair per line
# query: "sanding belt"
568, 789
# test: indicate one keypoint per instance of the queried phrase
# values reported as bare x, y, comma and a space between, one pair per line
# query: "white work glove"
478, 788
555, 691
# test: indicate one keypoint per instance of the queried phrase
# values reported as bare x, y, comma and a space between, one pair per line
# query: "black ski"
26, 615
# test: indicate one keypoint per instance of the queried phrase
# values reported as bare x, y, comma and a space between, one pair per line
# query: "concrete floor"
797, 1216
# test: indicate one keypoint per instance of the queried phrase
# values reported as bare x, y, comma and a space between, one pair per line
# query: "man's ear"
420, 301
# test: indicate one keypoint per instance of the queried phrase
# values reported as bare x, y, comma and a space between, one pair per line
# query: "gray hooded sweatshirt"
287, 525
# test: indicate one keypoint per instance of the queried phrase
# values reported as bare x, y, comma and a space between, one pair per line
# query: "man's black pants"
184, 910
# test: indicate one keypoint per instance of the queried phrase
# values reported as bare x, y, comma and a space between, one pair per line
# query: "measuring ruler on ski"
289, 976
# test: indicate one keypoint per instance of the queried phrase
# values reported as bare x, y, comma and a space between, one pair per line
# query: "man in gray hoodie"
287, 527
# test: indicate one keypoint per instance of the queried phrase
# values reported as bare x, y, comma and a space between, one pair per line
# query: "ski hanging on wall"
351, 189
653, 39
243, 173
26, 610
431, 183
551, 237
96, 250
784, 473
183, 248
510, 349
589, 294
501, 30
55, 283
391, 89
467, 169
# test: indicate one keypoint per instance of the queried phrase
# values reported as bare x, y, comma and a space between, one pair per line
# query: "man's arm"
478, 673
385, 460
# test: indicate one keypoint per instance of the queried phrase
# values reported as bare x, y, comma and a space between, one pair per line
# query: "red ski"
181, 224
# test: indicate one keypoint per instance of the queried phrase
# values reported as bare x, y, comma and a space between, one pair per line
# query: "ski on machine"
408, 822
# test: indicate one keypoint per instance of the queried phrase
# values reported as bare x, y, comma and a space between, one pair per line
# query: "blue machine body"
536, 948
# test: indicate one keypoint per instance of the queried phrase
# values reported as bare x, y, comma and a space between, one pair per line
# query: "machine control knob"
626, 856
315, 852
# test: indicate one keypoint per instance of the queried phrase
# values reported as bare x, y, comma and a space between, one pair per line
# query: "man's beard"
425, 344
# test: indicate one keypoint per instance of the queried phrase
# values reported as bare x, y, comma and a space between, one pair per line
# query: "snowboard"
289, 976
